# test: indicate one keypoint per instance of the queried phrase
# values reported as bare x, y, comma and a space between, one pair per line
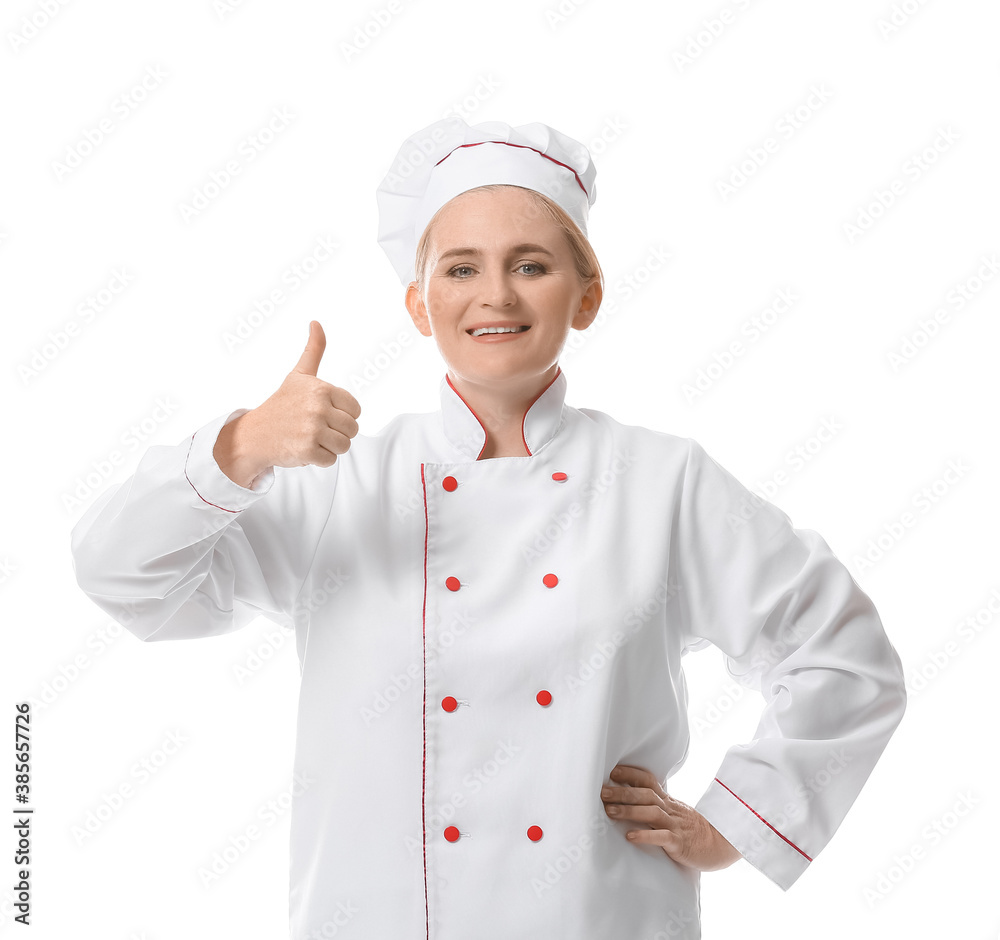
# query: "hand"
680, 830
306, 421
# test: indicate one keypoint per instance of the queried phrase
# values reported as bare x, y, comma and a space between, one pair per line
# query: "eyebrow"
516, 249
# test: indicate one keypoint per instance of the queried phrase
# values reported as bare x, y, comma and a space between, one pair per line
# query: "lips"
497, 339
506, 328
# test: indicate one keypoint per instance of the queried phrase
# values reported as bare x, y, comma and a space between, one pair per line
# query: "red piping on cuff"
186, 477
765, 822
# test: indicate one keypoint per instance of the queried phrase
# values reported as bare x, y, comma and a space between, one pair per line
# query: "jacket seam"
312, 561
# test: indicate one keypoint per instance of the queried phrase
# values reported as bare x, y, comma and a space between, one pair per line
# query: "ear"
417, 310
590, 303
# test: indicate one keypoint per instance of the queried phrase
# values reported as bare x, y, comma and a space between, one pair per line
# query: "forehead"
493, 217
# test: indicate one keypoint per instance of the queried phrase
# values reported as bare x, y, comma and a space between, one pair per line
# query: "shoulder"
695, 470
650, 439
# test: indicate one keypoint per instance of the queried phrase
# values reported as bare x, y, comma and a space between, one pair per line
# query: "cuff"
206, 477
757, 839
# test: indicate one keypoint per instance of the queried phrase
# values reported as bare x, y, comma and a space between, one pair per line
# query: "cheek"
444, 299
556, 294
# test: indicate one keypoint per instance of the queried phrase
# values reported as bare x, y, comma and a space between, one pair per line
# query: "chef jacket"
480, 641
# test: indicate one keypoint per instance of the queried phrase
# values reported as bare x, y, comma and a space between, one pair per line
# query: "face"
494, 259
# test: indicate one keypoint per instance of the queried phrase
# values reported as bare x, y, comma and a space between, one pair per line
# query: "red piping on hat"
765, 822
523, 147
523, 417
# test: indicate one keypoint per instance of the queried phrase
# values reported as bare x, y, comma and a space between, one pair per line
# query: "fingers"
678, 829
341, 425
669, 841
625, 775
630, 795
634, 776
650, 813
331, 443
641, 798
309, 360
344, 401
308, 364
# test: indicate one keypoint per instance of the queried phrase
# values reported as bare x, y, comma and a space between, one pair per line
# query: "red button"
452, 833
449, 483
559, 477
449, 703
453, 584
550, 580
535, 833
543, 697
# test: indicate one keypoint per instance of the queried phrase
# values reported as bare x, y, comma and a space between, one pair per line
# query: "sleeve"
794, 625
180, 551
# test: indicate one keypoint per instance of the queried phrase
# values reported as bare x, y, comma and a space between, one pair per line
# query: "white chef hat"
448, 157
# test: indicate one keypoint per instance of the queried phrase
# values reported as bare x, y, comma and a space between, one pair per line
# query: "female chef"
491, 601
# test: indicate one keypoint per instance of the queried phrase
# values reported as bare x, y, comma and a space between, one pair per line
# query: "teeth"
499, 329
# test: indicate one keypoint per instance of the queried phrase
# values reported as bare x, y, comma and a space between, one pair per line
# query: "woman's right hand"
306, 421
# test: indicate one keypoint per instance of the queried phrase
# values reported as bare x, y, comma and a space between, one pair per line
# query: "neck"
501, 407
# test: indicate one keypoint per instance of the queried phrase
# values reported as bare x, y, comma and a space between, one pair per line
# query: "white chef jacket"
481, 641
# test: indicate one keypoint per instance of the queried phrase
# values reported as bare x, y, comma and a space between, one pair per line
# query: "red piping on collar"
523, 417
523, 147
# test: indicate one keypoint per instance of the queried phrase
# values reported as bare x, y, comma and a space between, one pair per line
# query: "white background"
84, 394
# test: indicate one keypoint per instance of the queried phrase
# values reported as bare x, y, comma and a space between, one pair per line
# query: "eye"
460, 267
531, 264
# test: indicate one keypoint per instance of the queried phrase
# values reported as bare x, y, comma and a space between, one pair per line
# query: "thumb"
309, 360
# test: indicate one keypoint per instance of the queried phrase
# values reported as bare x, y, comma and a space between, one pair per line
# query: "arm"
794, 625
180, 550
192, 547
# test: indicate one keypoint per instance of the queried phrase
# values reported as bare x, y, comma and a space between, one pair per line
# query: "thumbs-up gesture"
306, 421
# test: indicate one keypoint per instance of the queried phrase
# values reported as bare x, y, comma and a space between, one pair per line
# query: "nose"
496, 288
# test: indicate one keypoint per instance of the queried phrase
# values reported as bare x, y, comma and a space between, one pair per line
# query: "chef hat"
448, 157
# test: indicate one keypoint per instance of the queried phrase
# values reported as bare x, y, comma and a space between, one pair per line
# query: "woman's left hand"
680, 830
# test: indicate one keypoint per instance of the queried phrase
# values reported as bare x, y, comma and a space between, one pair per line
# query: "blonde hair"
584, 256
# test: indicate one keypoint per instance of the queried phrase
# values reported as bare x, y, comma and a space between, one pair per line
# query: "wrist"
728, 853
235, 455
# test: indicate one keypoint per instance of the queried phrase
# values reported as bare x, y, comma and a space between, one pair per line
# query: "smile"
498, 329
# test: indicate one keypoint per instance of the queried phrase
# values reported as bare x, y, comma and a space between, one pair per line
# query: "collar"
539, 423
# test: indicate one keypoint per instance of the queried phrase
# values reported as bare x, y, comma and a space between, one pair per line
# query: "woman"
491, 602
